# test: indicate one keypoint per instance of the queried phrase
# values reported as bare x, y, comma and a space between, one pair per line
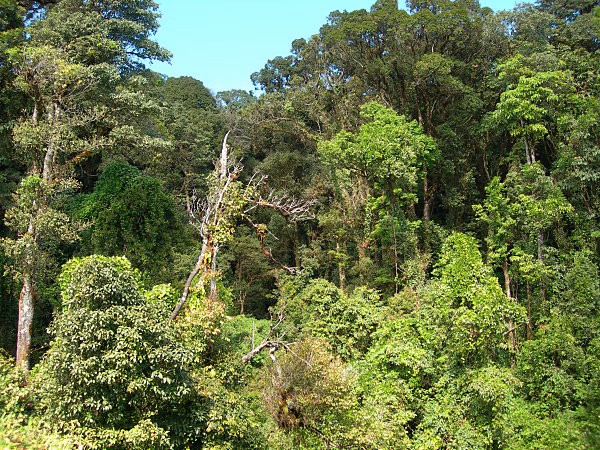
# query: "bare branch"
292, 208
272, 345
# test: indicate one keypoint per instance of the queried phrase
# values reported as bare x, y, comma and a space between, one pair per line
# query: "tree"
68, 81
40, 227
308, 393
214, 217
115, 364
496, 213
235, 99
189, 119
375, 171
532, 101
469, 301
131, 215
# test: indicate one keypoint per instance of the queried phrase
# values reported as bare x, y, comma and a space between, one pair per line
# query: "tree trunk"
341, 265
26, 302
188, 284
511, 328
50, 156
26, 299
529, 150
427, 197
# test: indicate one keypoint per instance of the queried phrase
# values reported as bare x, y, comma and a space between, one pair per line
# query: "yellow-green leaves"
387, 147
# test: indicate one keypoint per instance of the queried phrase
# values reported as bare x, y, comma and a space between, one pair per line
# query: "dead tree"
227, 201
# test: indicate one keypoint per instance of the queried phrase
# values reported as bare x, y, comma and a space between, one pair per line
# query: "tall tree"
75, 55
376, 175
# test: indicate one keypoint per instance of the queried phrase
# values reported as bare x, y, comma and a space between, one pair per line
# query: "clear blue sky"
222, 42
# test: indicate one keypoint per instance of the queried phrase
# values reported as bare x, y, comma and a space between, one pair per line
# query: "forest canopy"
392, 243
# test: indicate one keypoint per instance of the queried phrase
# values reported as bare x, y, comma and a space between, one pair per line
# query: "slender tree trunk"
50, 156
529, 151
427, 197
341, 265
511, 333
188, 284
506, 278
242, 301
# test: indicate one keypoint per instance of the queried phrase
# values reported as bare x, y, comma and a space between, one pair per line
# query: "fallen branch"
273, 345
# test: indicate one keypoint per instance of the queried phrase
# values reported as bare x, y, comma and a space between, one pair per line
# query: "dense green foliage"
408, 258
130, 215
114, 364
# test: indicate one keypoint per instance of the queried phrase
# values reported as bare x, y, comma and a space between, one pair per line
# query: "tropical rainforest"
392, 243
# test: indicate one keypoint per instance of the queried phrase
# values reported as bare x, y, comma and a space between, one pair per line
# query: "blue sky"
221, 42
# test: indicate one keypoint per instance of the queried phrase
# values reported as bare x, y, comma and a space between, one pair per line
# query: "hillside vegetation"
392, 244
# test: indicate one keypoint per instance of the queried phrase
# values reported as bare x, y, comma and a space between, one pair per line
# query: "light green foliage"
552, 367
406, 348
40, 225
578, 164
534, 100
318, 308
97, 283
438, 361
231, 203
469, 301
496, 214
391, 378
522, 214
524, 428
15, 435
462, 410
538, 202
388, 147
115, 363
200, 325
529, 97
346, 322
375, 173
13, 399
234, 417
163, 295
